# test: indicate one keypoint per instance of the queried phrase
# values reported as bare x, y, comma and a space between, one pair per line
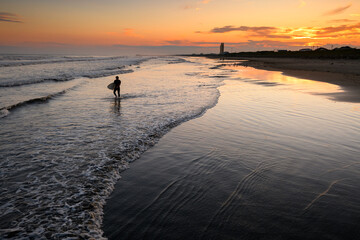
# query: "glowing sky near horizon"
241, 24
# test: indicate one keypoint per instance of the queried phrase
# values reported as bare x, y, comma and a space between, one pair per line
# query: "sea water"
276, 158
64, 137
279, 153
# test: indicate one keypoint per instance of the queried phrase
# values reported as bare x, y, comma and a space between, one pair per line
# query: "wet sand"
344, 73
267, 162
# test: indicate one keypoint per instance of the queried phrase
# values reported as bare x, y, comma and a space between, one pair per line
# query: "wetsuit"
117, 84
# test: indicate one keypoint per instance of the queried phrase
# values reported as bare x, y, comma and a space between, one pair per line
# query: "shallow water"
272, 160
63, 144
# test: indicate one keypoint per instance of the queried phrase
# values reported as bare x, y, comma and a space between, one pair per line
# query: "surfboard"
111, 86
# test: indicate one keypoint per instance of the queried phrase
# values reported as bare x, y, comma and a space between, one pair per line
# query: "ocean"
223, 151
65, 138
276, 158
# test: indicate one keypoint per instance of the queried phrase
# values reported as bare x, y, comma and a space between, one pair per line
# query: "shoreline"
237, 168
344, 73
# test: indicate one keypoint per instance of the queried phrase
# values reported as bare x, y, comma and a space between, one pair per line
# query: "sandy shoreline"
255, 166
344, 73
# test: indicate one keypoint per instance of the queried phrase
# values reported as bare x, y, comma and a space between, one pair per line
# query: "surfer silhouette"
117, 84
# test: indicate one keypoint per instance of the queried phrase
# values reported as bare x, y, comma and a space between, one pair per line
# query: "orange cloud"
292, 35
229, 28
341, 20
177, 42
131, 33
337, 10
330, 30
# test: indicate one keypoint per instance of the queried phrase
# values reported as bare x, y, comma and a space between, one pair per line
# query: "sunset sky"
174, 26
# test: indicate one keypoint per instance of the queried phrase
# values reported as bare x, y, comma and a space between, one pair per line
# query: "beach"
342, 72
65, 138
195, 148
179, 120
275, 158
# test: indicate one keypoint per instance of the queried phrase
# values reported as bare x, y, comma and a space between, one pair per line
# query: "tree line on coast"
320, 53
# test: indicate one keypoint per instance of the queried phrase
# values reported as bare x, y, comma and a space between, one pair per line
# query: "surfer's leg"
118, 92
115, 92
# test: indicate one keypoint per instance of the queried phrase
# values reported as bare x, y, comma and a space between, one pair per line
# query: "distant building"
305, 50
222, 47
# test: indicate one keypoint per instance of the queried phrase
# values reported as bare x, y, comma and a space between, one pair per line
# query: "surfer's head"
117, 77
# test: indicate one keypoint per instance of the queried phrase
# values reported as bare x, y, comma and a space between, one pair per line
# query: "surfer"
117, 84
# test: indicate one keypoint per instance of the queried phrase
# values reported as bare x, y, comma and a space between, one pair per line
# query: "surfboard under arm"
111, 86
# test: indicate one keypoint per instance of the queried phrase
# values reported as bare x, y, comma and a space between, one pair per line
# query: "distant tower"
222, 49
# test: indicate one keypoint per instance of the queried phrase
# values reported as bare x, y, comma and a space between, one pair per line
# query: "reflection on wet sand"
276, 78
117, 105
275, 162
